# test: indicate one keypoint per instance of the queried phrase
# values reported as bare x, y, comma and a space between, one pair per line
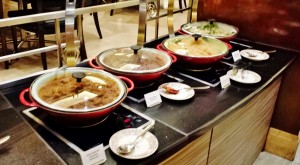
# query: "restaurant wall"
273, 22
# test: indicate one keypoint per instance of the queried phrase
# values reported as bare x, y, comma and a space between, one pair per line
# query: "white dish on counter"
185, 91
244, 76
254, 55
144, 147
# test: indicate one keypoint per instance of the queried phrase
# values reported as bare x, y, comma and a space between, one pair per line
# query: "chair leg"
6, 64
112, 10
42, 44
4, 47
97, 24
180, 4
184, 1
82, 50
15, 39
44, 60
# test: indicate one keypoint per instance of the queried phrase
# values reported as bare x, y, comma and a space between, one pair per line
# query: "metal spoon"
203, 87
269, 51
4, 139
129, 147
254, 54
241, 69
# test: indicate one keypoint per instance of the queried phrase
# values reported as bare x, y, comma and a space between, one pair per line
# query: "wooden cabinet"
194, 153
240, 138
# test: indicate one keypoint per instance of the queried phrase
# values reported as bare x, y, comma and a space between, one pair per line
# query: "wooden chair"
47, 27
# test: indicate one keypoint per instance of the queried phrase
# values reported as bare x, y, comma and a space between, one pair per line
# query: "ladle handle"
146, 129
269, 51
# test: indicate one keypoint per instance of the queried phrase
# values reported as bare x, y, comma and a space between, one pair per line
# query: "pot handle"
181, 32
174, 58
128, 81
94, 66
228, 45
159, 47
24, 101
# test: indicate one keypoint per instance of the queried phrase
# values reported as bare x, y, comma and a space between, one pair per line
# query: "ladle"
129, 147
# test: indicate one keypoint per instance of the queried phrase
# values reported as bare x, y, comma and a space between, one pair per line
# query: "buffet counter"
215, 125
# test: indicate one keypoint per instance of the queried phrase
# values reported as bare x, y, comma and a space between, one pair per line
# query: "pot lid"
134, 59
195, 46
77, 90
210, 28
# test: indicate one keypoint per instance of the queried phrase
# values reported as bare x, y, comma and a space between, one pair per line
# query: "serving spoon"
202, 87
129, 147
255, 54
4, 139
172, 90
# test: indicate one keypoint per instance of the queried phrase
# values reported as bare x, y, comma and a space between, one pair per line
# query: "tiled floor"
118, 30
266, 158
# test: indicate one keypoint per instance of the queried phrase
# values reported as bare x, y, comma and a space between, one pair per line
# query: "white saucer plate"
145, 145
258, 55
183, 94
245, 77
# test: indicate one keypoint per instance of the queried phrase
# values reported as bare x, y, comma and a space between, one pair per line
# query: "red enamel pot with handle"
194, 52
142, 65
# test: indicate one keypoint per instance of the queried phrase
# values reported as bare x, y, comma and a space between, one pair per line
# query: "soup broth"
134, 62
66, 90
199, 48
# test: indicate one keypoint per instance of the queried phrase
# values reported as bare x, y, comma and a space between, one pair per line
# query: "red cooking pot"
194, 52
211, 28
77, 97
142, 65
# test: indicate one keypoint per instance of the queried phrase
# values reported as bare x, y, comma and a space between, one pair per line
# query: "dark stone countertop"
177, 122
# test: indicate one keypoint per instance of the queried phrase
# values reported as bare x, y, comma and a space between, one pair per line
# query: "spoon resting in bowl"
255, 54
129, 147
172, 90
